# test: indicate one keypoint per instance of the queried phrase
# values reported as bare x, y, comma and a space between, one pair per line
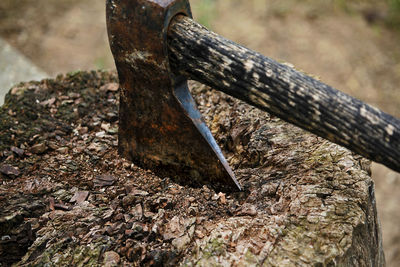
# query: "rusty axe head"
160, 126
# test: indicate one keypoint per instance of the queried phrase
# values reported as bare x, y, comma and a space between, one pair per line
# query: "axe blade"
160, 126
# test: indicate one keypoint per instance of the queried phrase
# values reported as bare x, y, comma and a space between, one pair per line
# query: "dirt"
42, 29
339, 45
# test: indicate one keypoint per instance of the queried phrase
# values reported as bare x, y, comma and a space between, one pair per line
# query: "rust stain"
155, 129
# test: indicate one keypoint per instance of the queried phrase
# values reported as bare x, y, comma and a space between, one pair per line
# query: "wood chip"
62, 207
112, 87
111, 258
248, 210
20, 152
104, 180
48, 102
79, 197
9, 170
136, 192
39, 148
51, 203
222, 198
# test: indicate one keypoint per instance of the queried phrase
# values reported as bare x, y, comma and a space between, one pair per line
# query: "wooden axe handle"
280, 90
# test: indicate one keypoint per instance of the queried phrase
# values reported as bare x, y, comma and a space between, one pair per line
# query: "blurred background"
353, 45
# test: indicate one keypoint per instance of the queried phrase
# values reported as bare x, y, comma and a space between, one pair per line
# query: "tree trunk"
68, 199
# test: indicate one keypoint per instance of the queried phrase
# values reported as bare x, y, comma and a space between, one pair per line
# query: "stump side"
306, 200
324, 210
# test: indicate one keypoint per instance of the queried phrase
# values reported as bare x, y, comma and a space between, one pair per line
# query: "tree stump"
67, 198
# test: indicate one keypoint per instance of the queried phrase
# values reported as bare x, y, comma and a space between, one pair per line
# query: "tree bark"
278, 89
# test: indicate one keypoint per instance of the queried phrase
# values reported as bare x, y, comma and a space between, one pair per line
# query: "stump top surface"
306, 200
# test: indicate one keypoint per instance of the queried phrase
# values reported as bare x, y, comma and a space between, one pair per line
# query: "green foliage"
392, 8
205, 12
394, 5
394, 14
341, 4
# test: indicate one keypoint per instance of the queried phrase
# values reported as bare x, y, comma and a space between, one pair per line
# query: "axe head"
160, 126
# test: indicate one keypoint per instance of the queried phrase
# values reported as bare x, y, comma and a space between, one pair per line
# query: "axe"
157, 47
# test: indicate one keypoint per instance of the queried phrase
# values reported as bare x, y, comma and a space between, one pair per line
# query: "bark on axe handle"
276, 88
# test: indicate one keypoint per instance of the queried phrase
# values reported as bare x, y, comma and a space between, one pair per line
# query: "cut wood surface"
277, 88
67, 198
